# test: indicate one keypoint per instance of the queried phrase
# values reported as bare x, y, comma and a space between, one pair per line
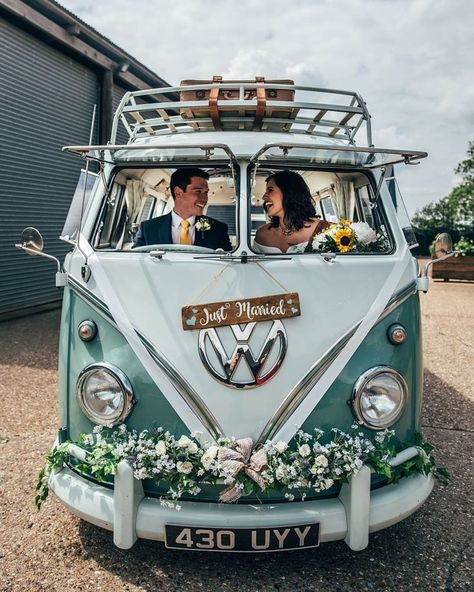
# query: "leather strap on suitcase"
211, 97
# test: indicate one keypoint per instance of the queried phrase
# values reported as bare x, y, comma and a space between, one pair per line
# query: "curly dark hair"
297, 201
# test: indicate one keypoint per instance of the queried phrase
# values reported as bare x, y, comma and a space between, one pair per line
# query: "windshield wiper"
244, 257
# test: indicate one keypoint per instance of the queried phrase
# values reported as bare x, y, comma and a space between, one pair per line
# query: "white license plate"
242, 540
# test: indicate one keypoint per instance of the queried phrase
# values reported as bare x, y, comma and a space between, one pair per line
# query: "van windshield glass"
307, 211
338, 156
186, 208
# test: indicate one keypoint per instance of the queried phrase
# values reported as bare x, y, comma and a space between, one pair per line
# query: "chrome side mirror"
32, 244
31, 241
443, 249
443, 245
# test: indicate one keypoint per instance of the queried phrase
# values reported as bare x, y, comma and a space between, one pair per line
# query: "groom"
185, 224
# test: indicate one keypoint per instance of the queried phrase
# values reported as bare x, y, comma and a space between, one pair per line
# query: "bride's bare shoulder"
262, 233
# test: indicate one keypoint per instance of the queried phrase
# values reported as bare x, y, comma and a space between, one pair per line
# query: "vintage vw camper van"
247, 399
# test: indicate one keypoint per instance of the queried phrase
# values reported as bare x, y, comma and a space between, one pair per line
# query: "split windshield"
342, 212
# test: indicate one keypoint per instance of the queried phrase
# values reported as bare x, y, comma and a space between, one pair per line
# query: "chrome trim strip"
301, 389
397, 299
183, 388
92, 299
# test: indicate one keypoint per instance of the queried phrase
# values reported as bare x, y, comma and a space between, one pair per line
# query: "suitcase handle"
214, 95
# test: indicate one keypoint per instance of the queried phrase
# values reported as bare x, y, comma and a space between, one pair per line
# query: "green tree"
466, 167
455, 212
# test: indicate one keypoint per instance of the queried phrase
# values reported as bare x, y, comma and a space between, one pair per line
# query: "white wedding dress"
258, 248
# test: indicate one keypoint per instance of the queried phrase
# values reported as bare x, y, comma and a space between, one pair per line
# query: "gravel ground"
54, 551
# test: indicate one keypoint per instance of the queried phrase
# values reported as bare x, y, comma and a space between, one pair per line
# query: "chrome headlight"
104, 394
379, 397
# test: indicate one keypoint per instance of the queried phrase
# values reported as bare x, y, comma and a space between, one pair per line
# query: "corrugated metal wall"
46, 102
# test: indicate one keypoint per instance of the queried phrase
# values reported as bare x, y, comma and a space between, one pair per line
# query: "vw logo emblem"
258, 368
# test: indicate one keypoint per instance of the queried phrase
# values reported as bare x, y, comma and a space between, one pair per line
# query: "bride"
293, 222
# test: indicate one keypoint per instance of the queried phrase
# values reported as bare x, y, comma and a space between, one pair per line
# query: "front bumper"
350, 517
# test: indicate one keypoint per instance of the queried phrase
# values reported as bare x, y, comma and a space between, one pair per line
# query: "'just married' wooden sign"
244, 310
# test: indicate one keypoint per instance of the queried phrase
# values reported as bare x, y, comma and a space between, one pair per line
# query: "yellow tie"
184, 235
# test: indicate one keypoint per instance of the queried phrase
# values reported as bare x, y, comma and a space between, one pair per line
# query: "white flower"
316, 470
328, 483
184, 467
321, 461
281, 472
187, 444
160, 448
364, 233
319, 241
183, 442
212, 451
88, 439
141, 474
281, 446
304, 450
209, 456
203, 224
192, 448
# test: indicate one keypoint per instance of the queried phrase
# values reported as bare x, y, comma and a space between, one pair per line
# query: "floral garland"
187, 462
347, 236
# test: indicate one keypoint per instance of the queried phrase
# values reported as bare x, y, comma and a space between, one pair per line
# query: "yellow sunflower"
344, 222
344, 239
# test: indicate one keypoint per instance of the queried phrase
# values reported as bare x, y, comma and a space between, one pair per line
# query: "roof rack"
242, 106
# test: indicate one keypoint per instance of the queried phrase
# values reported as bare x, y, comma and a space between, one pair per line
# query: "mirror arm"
430, 263
39, 253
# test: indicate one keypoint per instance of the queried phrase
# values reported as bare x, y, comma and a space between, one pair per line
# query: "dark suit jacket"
157, 231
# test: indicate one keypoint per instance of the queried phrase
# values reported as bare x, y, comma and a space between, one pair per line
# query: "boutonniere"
203, 224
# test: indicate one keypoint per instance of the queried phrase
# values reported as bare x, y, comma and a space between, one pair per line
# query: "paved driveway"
54, 551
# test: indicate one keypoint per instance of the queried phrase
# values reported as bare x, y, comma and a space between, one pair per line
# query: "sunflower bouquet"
347, 236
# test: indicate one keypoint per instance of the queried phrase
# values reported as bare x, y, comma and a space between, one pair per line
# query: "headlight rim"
124, 383
361, 382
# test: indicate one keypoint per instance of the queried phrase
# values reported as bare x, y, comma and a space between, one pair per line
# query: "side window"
328, 210
402, 213
364, 209
113, 223
79, 204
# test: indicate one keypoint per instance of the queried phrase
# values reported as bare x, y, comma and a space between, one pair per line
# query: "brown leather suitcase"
221, 115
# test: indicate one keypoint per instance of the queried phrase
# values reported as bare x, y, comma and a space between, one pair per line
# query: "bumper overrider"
351, 516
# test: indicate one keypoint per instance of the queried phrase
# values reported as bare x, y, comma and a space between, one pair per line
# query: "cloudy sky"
412, 61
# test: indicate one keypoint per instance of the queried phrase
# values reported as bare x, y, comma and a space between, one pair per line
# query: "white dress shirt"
176, 227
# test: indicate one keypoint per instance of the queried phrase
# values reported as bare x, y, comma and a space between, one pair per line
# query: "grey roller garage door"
46, 102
